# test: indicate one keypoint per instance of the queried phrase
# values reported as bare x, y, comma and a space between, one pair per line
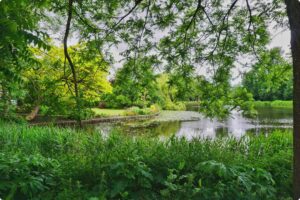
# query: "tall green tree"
293, 12
49, 85
270, 78
17, 34
135, 84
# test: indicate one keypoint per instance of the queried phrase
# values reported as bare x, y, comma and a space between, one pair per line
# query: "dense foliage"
17, 32
140, 86
53, 163
134, 85
270, 78
192, 35
274, 104
49, 84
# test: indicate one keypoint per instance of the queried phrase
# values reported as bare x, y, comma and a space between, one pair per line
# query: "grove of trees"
270, 78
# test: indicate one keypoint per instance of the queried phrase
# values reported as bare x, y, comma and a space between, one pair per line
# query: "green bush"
191, 103
141, 111
169, 105
154, 108
26, 175
56, 163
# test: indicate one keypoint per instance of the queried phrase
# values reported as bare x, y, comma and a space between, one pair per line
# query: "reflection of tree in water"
151, 129
267, 120
222, 132
267, 113
167, 128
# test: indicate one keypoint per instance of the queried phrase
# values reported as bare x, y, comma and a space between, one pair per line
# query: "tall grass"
56, 163
274, 104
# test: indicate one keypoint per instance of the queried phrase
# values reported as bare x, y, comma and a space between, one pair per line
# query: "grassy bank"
53, 163
274, 104
191, 103
102, 112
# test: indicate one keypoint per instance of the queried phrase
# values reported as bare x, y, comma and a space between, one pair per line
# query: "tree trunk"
293, 11
33, 113
77, 98
4, 99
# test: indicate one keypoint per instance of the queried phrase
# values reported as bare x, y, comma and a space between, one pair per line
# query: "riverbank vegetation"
100, 112
274, 104
54, 163
270, 81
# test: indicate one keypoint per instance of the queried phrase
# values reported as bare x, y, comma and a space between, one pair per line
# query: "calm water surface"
267, 120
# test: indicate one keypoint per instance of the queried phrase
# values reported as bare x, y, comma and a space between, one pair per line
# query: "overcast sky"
282, 39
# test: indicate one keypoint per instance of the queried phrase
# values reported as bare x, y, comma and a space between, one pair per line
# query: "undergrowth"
57, 163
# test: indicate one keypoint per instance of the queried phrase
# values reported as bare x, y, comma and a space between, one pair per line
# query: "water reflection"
165, 129
266, 121
236, 125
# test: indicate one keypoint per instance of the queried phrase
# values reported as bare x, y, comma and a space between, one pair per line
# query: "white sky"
280, 38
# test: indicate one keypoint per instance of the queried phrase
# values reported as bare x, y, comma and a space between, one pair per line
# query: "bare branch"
137, 2
142, 33
194, 15
250, 14
207, 16
193, 19
146, 20
72, 66
225, 19
249, 29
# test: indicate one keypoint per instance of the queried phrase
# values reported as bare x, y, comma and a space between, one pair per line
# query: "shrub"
169, 105
26, 175
141, 111
154, 108
86, 113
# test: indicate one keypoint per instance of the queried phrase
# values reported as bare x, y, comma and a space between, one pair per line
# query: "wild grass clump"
56, 163
274, 104
170, 105
141, 111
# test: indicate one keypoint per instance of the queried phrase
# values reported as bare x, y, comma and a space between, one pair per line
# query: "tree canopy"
183, 36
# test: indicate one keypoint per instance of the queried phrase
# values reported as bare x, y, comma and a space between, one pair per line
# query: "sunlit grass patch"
102, 112
274, 104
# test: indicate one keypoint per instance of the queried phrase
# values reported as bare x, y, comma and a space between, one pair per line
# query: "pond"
191, 124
